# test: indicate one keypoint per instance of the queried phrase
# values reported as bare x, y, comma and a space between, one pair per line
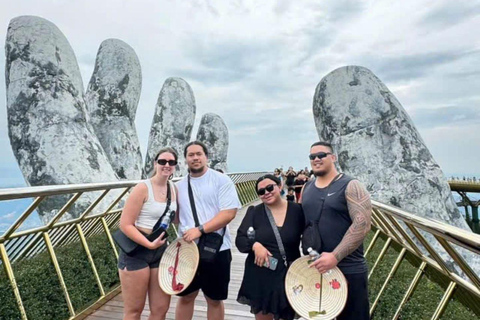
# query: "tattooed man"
341, 209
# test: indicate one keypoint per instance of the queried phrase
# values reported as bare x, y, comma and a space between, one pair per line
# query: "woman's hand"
157, 243
261, 254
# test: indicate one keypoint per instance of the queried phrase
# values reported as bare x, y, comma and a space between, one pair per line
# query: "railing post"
372, 242
90, 258
411, 289
380, 256
468, 218
392, 272
475, 221
109, 236
13, 283
444, 302
53, 256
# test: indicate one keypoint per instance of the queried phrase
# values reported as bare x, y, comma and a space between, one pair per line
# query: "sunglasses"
319, 155
163, 162
268, 188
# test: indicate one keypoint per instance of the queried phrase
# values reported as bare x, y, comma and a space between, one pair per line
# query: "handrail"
391, 222
413, 233
18, 245
468, 240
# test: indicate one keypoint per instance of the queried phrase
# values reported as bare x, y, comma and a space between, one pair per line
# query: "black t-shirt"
299, 182
290, 178
291, 197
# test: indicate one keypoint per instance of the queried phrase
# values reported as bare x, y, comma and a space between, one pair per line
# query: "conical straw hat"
188, 258
302, 285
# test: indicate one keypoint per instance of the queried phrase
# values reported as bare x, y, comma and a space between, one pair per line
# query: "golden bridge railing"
408, 234
16, 246
417, 236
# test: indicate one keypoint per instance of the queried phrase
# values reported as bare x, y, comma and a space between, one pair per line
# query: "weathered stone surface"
47, 119
112, 98
377, 142
172, 123
214, 133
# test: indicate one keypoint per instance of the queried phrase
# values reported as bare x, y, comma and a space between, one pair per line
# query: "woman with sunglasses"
139, 270
263, 286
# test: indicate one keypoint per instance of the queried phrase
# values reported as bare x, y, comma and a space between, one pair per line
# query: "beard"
199, 170
319, 173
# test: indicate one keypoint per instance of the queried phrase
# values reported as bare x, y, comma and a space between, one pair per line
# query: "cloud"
445, 15
445, 116
408, 67
8, 216
257, 64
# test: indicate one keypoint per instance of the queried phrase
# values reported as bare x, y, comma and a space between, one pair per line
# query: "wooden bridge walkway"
113, 309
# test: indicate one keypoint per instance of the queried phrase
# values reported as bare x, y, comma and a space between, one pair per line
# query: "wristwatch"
200, 227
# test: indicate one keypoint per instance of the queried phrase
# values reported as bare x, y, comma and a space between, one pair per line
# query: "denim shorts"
140, 258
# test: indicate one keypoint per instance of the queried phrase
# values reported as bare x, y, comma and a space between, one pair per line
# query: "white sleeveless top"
152, 210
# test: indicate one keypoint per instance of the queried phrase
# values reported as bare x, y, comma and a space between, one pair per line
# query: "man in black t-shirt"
343, 207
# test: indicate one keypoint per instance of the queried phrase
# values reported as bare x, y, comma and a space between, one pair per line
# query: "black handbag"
129, 246
209, 244
311, 237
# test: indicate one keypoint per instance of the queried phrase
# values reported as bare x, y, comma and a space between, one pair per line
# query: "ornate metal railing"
16, 246
393, 229
417, 236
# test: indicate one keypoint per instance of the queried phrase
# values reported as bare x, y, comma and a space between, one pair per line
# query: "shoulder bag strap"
277, 234
194, 209
192, 203
169, 200
326, 192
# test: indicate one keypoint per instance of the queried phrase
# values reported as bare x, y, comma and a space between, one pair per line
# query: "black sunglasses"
163, 162
319, 155
268, 188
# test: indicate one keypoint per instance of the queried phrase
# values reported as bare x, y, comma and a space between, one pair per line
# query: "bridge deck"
113, 309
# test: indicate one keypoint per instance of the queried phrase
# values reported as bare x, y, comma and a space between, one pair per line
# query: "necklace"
161, 189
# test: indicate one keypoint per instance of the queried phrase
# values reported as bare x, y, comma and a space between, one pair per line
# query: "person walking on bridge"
208, 202
337, 208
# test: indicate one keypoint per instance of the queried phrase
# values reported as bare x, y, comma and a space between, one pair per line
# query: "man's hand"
326, 262
261, 254
192, 234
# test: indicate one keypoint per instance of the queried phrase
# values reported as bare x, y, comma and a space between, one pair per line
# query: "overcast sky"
257, 63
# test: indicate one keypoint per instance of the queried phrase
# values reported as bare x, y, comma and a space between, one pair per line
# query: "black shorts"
140, 258
357, 307
212, 277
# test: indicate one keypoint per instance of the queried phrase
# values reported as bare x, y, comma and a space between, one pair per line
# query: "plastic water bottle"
314, 255
251, 233
165, 222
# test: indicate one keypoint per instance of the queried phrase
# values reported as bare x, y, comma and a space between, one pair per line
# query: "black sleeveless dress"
263, 289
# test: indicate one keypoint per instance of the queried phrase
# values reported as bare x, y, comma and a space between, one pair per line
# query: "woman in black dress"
263, 289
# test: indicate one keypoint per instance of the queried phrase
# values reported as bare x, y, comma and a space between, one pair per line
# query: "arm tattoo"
360, 211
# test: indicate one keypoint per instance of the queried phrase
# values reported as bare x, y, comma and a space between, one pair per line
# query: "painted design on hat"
335, 284
297, 289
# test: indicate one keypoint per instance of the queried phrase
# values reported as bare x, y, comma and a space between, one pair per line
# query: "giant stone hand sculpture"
112, 98
377, 142
172, 123
47, 120
214, 133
